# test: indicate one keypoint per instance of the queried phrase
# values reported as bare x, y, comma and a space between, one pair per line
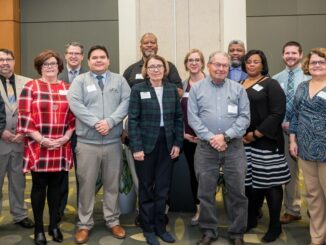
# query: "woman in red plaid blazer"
45, 119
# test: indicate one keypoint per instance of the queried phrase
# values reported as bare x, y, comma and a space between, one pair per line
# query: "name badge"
257, 87
322, 95
232, 109
91, 88
139, 76
63, 92
145, 95
186, 95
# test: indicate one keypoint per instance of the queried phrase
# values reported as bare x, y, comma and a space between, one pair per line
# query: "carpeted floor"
296, 233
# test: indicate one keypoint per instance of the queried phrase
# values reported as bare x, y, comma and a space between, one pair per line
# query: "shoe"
56, 235
166, 237
118, 232
272, 234
26, 223
81, 236
237, 241
206, 240
151, 238
288, 218
40, 239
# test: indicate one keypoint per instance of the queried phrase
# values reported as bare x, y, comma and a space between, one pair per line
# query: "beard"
235, 63
148, 53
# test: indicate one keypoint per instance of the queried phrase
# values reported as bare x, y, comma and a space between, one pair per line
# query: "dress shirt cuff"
231, 133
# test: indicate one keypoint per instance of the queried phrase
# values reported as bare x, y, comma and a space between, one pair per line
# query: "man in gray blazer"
11, 144
74, 55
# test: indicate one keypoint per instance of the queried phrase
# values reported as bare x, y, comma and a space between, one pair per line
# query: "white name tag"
145, 95
63, 92
186, 95
322, 94
139, 76
91, 88
232, 109
257, 87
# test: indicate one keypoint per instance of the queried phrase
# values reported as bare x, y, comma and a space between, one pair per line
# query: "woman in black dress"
267, 166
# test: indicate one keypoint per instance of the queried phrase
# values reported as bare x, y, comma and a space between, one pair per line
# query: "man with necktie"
11, 144
99, 99
74, 56
289, 80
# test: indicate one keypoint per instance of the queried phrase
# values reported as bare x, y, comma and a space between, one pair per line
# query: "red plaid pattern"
44, 107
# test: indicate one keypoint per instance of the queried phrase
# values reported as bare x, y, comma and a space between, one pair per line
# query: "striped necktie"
289, 96
10, 92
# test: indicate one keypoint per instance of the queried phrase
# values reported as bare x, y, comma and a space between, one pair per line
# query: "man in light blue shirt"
236, 50
289, 80
218, 112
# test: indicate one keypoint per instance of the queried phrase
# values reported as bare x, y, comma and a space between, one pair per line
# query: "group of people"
237, 118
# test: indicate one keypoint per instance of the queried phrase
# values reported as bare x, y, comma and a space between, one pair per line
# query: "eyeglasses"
153, 68
73, 53
317, 62
51, 64
219, 65
255, 62
6, 60
194, 60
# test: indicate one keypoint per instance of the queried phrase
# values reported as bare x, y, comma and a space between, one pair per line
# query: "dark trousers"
45, 184
154, 175
274, 198
189, 149
65, 183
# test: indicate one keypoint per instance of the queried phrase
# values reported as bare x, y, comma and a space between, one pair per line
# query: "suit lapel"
5, 97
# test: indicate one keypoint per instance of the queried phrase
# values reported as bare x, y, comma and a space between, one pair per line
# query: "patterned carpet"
296, 233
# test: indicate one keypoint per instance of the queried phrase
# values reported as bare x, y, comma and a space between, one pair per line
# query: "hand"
63, 140
218, 142
248, 138
190, 138
175, 152
293, 148
285, 127
139, 155
102, 127
18, 138
50, 143
7, 136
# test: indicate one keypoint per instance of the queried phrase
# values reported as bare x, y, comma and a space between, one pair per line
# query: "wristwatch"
227, 138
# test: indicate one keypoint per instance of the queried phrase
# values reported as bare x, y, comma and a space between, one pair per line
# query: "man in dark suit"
74, 55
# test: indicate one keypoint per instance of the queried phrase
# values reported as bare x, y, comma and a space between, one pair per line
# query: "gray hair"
75, 44
218, 53
239, 42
